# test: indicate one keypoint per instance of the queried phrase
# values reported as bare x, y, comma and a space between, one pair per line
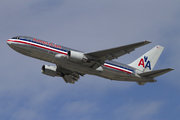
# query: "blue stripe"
43, 44
66, 51
119, 66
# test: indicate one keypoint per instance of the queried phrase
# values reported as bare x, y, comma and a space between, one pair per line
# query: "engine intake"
49, 70
76, 56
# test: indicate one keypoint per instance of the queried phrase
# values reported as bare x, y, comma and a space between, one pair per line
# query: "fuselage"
48, 51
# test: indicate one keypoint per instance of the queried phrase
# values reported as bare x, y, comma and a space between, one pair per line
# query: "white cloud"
86, 26
138, 111
23, 114
79, 108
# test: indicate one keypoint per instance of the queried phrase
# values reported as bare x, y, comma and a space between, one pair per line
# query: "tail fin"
147, 61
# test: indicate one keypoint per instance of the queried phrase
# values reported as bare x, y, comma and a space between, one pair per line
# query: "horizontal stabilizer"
155, 73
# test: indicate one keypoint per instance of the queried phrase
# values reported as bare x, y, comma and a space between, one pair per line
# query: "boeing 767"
70, 64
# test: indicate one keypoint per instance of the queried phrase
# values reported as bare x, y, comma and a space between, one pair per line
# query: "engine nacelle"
49, 70
76, 56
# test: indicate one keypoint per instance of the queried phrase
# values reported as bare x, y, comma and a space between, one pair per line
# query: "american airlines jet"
70, 64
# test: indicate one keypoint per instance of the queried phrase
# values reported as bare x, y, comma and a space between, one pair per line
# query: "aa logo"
145, 62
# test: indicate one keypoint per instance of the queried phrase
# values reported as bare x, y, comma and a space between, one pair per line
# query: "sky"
89, 25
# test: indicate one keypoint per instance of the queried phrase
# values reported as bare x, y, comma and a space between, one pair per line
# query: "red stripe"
37, 46
11, 40
117, 69
61, 53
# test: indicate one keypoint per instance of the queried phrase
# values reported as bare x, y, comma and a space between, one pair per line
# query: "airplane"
71, 64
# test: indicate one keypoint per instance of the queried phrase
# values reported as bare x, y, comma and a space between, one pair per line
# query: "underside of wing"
113, 53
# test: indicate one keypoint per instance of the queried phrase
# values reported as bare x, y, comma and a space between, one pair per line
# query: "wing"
113, 53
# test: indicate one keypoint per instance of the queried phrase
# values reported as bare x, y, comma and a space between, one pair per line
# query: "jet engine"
76, 56
49, 70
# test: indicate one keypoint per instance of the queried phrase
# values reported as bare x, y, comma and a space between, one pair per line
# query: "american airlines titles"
47, 43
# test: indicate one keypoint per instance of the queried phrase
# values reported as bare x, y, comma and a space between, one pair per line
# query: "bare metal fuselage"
111, 70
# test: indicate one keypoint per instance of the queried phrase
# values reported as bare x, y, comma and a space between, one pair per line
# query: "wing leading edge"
113, 53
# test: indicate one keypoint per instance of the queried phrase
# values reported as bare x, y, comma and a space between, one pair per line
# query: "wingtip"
171, 69
146, 41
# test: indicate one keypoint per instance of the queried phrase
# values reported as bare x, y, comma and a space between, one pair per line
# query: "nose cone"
9, 42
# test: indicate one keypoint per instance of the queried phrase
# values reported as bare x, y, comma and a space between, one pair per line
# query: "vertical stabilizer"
147, 61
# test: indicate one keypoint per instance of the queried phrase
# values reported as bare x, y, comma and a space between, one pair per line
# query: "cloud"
87, 26
26, 114
138, 111
80, 109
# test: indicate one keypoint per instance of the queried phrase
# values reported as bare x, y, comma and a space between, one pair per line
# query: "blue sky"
87, 25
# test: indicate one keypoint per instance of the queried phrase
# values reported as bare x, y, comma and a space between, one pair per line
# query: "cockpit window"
23, 37
15, 38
